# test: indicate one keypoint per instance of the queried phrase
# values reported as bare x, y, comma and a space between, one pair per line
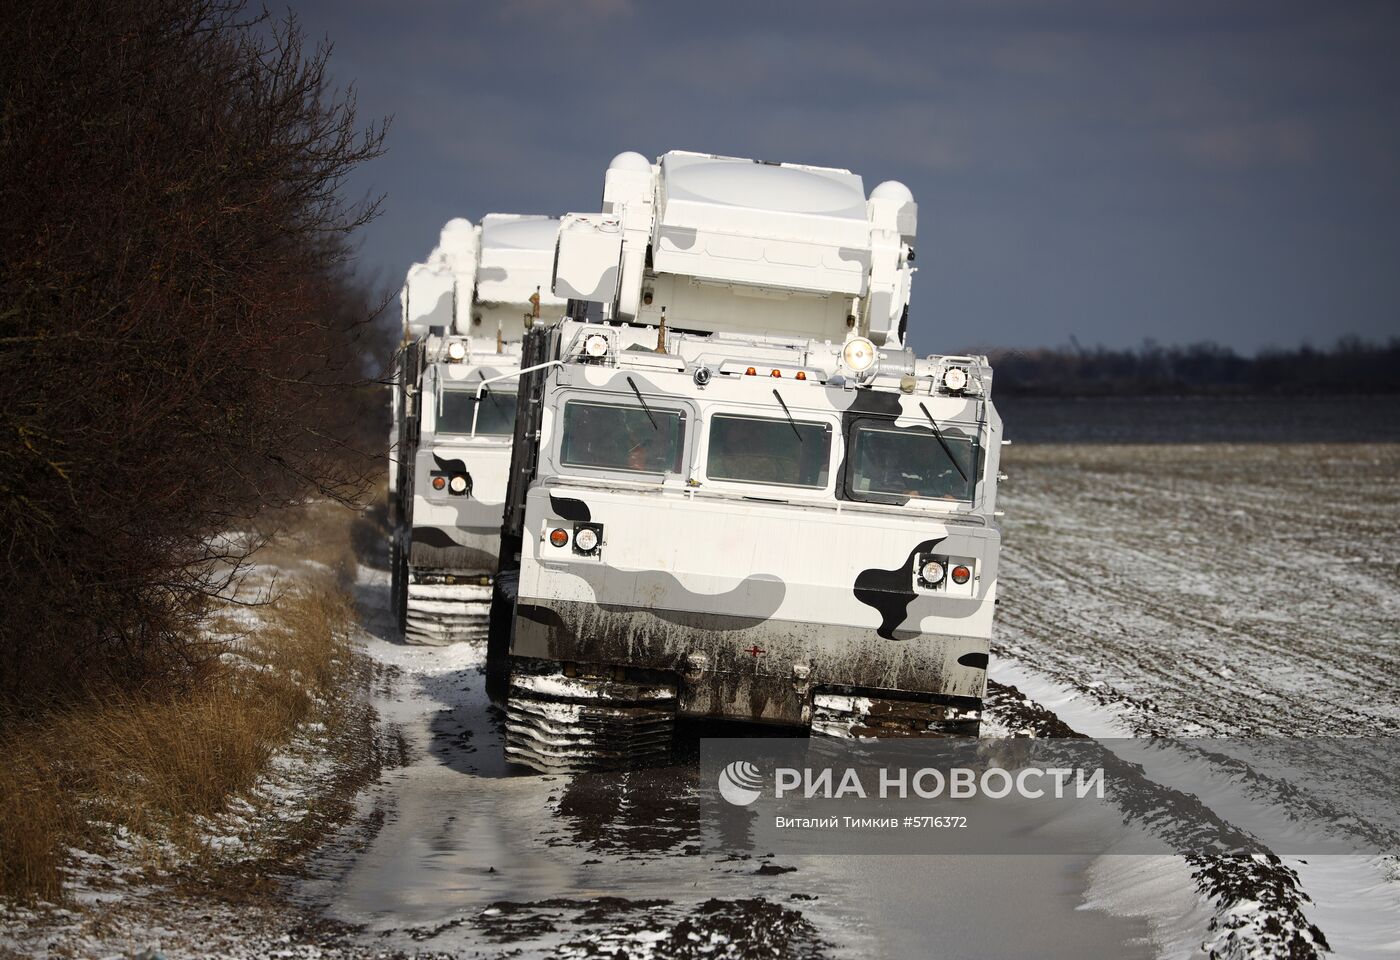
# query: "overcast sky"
1114, 171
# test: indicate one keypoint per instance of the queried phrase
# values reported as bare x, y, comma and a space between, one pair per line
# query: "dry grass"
156, 763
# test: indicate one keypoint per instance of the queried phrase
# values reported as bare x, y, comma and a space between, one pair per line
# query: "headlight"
586, 540
955, 378
932, 572
595, 345
456, 350
458, 484
859, 354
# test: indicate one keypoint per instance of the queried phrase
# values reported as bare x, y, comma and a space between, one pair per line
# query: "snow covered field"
1209, 590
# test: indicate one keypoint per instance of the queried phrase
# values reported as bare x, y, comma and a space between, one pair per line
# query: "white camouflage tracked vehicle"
464, 312
747, 498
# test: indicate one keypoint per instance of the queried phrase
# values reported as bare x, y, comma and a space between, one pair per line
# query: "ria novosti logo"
740, 783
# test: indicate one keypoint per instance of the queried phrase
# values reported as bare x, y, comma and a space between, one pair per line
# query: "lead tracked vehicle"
464, 312
736, 494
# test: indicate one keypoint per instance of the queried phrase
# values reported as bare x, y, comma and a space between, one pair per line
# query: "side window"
761, 450
605, 436
886, 461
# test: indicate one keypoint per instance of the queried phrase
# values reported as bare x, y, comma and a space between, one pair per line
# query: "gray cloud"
1114, 171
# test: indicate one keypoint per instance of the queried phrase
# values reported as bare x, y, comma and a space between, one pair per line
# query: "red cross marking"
753, 651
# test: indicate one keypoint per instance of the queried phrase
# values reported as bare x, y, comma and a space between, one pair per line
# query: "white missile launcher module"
464, 313
748, 499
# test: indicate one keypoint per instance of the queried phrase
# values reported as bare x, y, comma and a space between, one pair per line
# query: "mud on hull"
763, 670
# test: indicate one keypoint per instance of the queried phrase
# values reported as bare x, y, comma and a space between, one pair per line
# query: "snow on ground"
1221, 590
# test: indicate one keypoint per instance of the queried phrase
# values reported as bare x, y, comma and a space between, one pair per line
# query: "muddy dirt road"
452, 855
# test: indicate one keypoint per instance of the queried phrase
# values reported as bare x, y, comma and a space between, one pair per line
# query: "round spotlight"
456, 350
955, 378
458, 484
595, 345
859, 354
559, 537
961, 574
586, 540
932, 572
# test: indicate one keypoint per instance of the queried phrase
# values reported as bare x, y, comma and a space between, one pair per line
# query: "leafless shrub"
178, 332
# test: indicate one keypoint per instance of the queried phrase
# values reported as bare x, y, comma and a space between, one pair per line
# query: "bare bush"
177, 327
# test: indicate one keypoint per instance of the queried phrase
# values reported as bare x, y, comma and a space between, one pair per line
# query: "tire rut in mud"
609, 926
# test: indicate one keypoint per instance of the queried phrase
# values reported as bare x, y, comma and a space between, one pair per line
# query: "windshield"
497, 418
911, 462
782, 452
615, 437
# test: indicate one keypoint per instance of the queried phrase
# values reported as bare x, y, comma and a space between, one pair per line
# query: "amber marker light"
750, 372
961, 574
776, 373
439, 483
559, 537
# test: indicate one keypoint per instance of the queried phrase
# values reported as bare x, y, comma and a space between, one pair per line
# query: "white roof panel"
746, 184
803, 228
517, 258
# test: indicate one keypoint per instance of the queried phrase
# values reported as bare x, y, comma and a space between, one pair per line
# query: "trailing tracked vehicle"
736, 494
464, 312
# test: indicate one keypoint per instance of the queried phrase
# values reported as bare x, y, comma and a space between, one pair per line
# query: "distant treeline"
1351, 365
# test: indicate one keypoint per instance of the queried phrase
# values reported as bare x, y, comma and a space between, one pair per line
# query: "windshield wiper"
643, 402
487, 392
943, 443
791, 422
